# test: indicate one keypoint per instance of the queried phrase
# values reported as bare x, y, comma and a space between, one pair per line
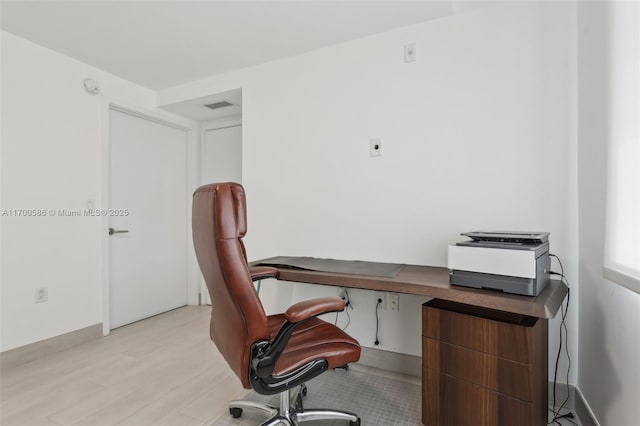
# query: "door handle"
117, 231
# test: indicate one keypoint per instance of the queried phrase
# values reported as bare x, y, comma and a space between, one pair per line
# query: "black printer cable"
564, 334
347, 305
378, 303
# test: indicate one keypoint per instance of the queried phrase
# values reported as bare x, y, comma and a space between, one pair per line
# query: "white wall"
609, 371
51, 139
478, 133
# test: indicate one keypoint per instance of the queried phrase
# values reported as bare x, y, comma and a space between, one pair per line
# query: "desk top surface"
432, 281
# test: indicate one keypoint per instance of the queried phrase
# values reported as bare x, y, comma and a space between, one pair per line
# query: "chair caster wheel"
237, 412
356, 423
303, 389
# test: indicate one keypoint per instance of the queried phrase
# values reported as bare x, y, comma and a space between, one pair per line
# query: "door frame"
217, 124
167, 119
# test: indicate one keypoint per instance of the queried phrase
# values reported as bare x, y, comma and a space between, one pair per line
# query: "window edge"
621, 278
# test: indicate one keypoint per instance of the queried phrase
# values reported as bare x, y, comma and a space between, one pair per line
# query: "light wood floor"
160, 371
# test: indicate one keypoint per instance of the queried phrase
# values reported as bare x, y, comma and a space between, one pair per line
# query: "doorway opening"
219, 155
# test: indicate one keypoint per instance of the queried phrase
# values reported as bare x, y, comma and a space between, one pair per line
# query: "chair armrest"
262, 272
311, 308
265, 354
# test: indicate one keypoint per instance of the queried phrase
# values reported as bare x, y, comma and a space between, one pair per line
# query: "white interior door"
148, 178
221, 161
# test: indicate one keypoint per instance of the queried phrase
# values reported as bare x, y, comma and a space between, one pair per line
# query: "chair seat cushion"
314, 339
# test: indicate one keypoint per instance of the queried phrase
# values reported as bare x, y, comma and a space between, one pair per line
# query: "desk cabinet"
482, 367
484, 352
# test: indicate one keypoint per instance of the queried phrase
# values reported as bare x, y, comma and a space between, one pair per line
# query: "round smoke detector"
91, 86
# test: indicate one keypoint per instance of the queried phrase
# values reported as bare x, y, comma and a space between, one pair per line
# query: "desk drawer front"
497, 374
501, 339
448, 401
482, 367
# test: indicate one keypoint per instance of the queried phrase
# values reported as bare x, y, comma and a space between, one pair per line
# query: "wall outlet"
394, 302
381, 295
42, 294
342, 294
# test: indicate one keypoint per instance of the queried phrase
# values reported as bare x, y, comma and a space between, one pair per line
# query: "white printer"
513, 262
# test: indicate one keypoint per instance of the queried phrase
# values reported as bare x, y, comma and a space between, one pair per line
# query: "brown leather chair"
271, 354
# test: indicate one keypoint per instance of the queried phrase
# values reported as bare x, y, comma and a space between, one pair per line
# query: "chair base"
291, 412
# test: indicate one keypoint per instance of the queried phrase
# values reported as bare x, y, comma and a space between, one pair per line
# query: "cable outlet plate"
375, 147
381, 295
42, 294
410, 52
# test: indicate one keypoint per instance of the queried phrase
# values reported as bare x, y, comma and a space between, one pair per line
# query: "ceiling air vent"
217, 105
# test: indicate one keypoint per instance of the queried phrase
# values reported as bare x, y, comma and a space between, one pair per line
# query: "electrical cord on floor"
564, 335
567, 417
378, 303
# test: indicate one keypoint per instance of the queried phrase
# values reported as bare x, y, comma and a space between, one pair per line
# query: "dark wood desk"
484, 353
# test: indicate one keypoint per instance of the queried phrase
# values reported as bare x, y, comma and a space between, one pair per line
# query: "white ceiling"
159, 44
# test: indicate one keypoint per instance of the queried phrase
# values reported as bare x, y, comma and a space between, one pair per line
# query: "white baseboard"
576, 403
44, 348
584, 411
391, 361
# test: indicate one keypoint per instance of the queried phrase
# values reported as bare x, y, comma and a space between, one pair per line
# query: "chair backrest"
238, 319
